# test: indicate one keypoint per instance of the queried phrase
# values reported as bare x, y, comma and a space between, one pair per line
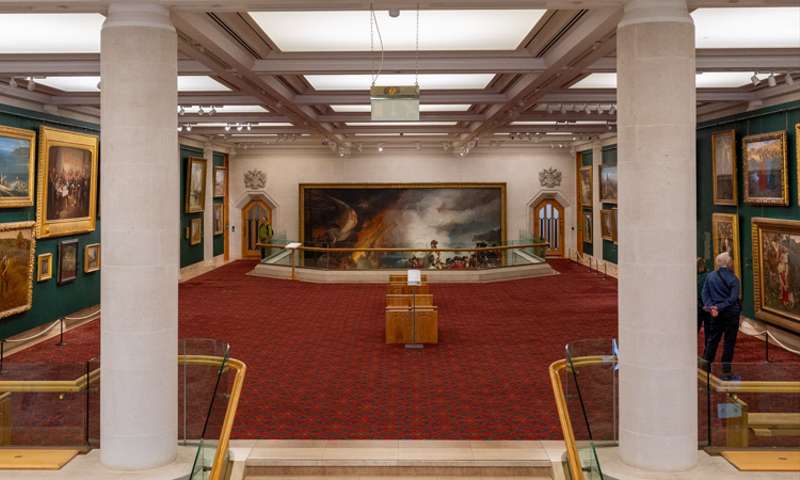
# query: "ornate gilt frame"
611, 212
735, 190
10, 227
797, 158
587, 168
30, 136
775, 201
776, 318
51, 137
189, 162
48, 257
733, 219
199, 222
303, 186
86, 267
221, 208
217, 168
603, 199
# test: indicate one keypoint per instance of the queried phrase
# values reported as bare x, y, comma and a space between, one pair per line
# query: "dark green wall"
586, 160
50, 301
219, 239
782, 117
610, 249
189, 254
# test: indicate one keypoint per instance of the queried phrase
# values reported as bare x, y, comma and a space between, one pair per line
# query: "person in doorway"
721, 300
264, 235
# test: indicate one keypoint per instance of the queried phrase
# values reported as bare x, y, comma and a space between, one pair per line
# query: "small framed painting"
587, 226
725, 237
776, 261
219, 224
195, 184
723, 167
220, 174
67, 261
765, 169
608, 220
91, 258
585, 185
608, 183
196, 231
17, 148
44, 267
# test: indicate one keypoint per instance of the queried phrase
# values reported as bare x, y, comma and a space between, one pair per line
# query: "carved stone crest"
257, 180
550, 178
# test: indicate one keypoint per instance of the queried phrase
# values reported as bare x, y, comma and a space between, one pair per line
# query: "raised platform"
313, 275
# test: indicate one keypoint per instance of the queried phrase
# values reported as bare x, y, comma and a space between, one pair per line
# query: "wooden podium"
411, 317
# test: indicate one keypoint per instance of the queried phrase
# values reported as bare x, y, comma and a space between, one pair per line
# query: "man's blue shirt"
721, 290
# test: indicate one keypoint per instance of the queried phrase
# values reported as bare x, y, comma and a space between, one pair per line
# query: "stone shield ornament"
255, 180
550, 178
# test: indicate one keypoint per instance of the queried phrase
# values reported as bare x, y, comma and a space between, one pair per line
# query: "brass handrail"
404, 249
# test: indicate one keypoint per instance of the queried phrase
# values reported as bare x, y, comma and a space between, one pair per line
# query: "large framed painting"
67, 261
195, 184
220, 174
17, 251
608, 224
196, 231
725, 237
588, 226
608, 183
219, 227
766, 169
776, 271
67, 186
91, 258
723, 167
16, 167
400, 215
585, 185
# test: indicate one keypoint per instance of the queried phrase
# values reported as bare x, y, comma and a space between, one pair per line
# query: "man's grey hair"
723, 260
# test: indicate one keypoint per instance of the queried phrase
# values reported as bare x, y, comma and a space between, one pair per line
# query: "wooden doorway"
254, 211
548, 224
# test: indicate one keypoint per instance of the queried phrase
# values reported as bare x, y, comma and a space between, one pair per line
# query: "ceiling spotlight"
612, 110
788, 78
394, 12
755, 79
188, 127
549, 108
588, 110
13, 82
249, 127
200, 110
239, 127
213, 110
227, 127
771, 80
181, 111
31, 84
180, 129
380, 147
563, 108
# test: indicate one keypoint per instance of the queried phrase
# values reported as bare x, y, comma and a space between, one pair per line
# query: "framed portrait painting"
91, 258
220, 175
196, 231
17, 251
219, 227
723, 167
725, 237
608, 223
44, 267
67, 261
585, 185
608, 183
195, 184
766, 169
67, 185
588, 226
16, 167
776, 272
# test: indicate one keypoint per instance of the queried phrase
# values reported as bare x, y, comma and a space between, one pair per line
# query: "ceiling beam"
427, 96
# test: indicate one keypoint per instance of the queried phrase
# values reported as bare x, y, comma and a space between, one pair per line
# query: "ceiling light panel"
703, 80
89, 84
400, 124
50, 32
439, 29
469, 81
768, 27
229, 109
422, 108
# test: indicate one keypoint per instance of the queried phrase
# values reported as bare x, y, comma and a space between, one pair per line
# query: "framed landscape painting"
219, 227
195, 184
44, 267
608, 222
776, 272
67, 186
67, 261
91, 258
220, 174
196, 231
587, 226
723, 167
585, 185
725, 237
766, 169
608, 183
16, 167
17, 251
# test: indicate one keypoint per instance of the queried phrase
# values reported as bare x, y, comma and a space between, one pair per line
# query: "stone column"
139, 188
657, 235
208, 209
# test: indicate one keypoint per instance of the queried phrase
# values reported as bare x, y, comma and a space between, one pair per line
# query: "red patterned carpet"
318, 367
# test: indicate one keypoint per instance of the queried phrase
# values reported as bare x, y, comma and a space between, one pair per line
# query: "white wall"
285, 169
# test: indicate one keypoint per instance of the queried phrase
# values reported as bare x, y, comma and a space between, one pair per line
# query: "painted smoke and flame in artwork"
781, 276
401, 217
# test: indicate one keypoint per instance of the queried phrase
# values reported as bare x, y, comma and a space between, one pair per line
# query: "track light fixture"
788, 78
588, 110
12, 83
227, 127
188, 127
200, 111
563, 108
181, 110
771, 81
239, 127
249, 127
180, 129
755, 79
31, 84
613, 109
380, 147
213, 110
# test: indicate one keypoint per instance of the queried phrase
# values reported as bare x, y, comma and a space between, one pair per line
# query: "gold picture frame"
725, 233
608, 223
608, 183
17, 135
91, 258
585, 186
218, 219
17, 253
754, 148
723, 154
195, 184
220, 176
588, 227
44, 267
797, 158
196, 231
776, 244
473, 185
51, 219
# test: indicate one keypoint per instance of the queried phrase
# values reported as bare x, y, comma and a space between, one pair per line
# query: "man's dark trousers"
726, 325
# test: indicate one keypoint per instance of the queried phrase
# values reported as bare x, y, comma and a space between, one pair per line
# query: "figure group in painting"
68, 184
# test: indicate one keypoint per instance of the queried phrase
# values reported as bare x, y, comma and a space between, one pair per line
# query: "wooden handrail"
404, 249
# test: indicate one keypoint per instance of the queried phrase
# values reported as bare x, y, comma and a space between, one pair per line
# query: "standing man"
721, 300
264, 235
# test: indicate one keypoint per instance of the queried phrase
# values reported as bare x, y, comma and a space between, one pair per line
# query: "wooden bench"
402, 300
406, 325
765, 424
403, 289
